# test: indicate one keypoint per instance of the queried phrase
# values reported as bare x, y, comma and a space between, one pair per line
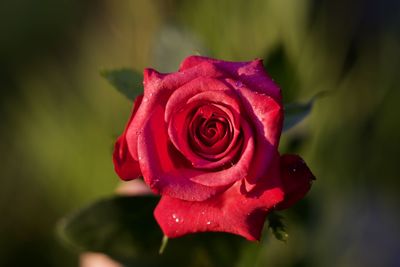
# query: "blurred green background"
59, 118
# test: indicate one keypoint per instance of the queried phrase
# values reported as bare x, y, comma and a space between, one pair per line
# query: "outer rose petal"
296, 178
231, 212
125, 166
251, 73
266, 115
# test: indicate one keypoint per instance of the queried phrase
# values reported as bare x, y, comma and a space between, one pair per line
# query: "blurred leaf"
119, 227
124, 228
278, 228
126, 81
281, 68
296, 112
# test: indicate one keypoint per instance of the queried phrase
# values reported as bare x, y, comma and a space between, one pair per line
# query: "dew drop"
239, 84
176, 218
208, 223
294, 170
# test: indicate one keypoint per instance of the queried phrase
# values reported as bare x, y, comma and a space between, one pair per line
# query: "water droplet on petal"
208, 223
239, 84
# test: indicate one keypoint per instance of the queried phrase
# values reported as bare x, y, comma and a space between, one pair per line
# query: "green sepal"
277, 226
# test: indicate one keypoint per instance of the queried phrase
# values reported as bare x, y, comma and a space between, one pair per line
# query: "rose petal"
125, 166
163, 167
213, 90
267, 118
167, 172
296, 178
213, 136
187, 98
251, 73
231, 212
158, 88
201, 156
237, 170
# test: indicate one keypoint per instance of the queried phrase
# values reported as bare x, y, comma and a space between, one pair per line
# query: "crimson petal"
125, 165
296, 178
231, 212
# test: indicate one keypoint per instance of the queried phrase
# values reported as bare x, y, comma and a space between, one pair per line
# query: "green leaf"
296, 112
277, 227
126, 81
124, 228
283, 69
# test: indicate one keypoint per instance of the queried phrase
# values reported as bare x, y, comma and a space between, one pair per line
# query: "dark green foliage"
124, 228
126, 81
295, 113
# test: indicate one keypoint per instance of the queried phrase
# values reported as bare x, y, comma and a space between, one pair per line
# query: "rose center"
210, 131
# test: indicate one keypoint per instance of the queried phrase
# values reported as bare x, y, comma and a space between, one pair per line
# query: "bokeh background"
59, 118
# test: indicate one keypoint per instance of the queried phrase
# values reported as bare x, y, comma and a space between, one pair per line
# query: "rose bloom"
206, 139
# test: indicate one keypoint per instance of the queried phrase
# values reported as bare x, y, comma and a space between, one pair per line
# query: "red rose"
206, 139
